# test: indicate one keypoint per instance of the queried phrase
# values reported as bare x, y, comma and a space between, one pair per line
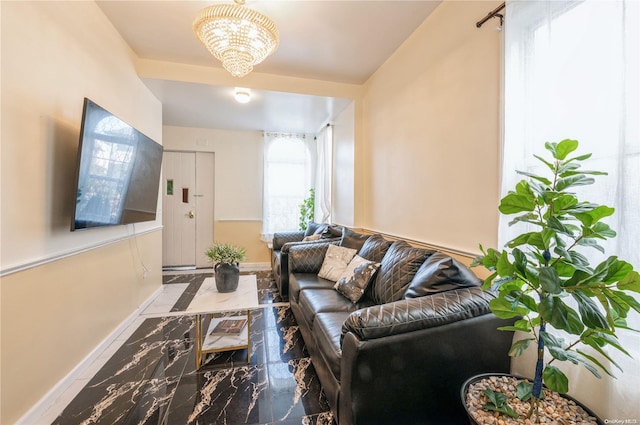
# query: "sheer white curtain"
289, 164
571, 71
322, 213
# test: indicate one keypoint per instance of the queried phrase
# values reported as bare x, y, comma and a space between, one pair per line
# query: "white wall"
238, 185
343, 209
55, 310
431, 133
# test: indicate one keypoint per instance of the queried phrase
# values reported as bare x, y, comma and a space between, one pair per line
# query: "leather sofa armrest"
281, 238
308, 257
418, 313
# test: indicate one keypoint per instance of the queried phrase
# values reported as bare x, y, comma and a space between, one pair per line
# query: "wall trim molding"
421, 244
71, 253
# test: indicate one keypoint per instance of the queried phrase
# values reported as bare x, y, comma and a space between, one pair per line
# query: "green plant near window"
307, 209
541, 270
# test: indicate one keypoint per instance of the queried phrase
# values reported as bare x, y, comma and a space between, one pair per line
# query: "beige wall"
238, 182
62, 292
431, 133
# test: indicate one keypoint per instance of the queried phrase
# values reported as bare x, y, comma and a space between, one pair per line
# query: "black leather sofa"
401, 354
283, 241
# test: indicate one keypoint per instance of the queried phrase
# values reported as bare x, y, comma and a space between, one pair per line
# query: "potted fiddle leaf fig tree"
546, 284
226, 259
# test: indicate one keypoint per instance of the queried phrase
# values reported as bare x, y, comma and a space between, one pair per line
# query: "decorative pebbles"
554, 409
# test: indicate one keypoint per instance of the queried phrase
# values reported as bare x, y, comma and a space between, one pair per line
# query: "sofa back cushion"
314, 228
351, 239
374, 248
440, 273
398, 267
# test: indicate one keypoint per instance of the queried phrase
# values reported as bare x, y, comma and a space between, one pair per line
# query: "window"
572, 71
288, 176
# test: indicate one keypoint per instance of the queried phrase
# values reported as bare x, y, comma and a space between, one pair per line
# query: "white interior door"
204, 198
187, 208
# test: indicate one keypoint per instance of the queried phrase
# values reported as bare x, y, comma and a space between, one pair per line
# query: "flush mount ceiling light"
242, 95
238, 36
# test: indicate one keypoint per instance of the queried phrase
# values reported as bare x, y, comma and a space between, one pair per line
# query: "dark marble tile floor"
152, 378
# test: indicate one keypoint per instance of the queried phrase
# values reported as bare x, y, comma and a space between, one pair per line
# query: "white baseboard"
258, 267
36, 412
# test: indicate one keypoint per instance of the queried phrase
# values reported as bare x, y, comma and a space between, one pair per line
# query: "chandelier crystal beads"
238, 36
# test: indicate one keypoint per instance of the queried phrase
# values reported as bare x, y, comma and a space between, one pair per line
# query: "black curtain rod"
492, 14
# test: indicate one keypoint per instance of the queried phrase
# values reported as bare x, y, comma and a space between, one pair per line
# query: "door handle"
191, 214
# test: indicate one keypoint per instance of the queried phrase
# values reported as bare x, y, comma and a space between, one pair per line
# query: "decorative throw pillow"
352, 239
311, 238
335, 262
440, 273
374, 248
355, 279
397, 269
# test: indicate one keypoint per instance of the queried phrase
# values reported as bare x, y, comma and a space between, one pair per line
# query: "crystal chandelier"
238, 36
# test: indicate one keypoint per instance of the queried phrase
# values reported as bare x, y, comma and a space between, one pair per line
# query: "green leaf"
576, 358
564, 148
618, 303
555, 380
550, 281
504, 309
514, 203
504, 266
541, 179
591, 315
567, 167
551, 340
593, 213
519, 240
611, 340
519, 261
596, 342
526, 218
519, 347
616, 270
544, 161
536, 239
580, 158
630, 282
591, 243
498, 403
524, 390
577, 180
596, 362
487, 282
559, 315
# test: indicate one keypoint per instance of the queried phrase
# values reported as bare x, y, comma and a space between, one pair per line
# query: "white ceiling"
331, 40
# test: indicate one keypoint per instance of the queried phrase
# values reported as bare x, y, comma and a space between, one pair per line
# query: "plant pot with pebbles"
226, 259
565, 308
555, 408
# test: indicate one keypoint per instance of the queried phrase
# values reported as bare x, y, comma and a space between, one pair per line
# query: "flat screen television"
118, 172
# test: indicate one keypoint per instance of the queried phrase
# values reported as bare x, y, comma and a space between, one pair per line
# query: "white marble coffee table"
208, 301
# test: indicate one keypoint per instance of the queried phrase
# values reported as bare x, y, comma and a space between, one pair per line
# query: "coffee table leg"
198, 341
248, 336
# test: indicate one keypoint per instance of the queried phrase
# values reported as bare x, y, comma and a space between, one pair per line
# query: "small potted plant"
226, 259
544, 281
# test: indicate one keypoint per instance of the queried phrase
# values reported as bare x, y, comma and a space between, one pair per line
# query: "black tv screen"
118, 172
